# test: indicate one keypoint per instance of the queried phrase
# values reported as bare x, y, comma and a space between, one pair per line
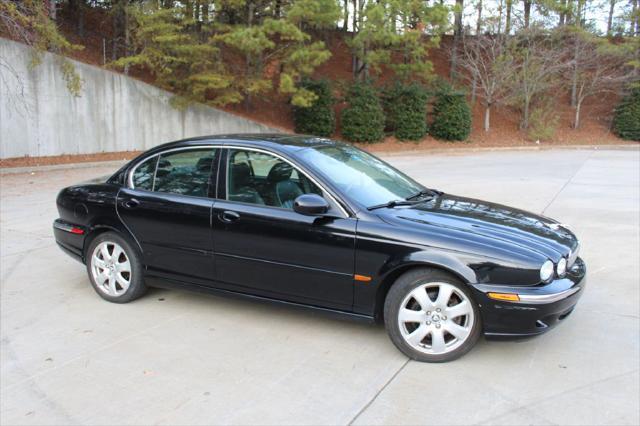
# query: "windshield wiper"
422, 193
394, 203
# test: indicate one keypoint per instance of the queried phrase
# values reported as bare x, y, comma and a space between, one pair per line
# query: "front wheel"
431, 317
114, 268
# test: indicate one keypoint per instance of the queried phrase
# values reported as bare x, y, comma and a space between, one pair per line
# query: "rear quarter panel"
91, 207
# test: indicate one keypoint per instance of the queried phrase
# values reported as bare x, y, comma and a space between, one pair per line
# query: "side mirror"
310, 205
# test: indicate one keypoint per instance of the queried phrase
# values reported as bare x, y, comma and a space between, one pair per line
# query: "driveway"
68, 357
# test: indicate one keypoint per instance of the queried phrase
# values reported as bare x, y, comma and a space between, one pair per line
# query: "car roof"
276, 141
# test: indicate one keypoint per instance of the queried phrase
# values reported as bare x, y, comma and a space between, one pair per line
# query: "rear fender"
105, 224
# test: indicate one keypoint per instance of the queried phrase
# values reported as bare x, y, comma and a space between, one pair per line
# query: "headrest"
240, 174
279, 172
204, 164
163, 163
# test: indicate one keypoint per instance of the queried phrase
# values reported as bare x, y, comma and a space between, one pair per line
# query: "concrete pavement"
68, 357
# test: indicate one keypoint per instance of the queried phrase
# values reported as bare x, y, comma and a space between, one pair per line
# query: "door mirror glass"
310, 205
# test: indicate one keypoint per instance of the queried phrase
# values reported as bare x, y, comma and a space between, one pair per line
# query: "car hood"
488, 223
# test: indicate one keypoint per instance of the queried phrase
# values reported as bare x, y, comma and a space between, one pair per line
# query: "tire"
451, 327
116, 275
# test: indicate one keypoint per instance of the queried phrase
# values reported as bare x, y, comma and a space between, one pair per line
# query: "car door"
264, 247
167, 206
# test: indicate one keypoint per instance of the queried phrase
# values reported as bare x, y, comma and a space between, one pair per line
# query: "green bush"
543, 121
318, 119
626, 119
451, 116
405, 107
363, 119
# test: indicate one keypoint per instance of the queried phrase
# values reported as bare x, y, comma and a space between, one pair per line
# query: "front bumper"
539, 309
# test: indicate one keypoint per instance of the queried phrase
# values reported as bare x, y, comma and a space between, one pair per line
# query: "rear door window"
185, 172
143, 174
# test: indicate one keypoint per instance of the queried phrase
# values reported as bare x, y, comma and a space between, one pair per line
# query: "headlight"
546, 271
573, 256
562, 267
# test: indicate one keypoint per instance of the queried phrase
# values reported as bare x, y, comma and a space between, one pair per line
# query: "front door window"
259, 178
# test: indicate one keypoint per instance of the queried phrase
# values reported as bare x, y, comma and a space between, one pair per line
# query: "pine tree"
391, 28
232, 52
626, 120
318, 119
363, 120
31, 22
451, 116
405, 106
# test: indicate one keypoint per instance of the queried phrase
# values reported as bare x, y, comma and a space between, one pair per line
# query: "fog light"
562, 267
546, 271
509, 297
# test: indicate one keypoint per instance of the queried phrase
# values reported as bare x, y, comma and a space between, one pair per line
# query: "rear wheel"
430, 316
114, 268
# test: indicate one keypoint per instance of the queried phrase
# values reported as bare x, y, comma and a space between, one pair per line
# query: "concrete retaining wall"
38, 115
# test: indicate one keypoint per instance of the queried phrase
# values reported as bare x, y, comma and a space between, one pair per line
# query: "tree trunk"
81, 21
527, 12
127, 38
345, 25
77, 11
363, 66
487, 117
612, 6
355, 16
525, 115
205, 13
354, 57
500, 17
507, 23
51, 9
117, 29
569, 15
635, 19
457, 34
248, 58
479, 21
189, 8
576, 120
278, 9
458, 17
574, 75
579, 11
474, 88
563, 13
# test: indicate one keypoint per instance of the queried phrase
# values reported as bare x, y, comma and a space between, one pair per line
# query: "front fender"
440, 260
384, 260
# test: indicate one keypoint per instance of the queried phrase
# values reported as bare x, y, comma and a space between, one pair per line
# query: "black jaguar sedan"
314, 222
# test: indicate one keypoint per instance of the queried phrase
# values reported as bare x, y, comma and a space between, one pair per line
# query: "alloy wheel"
436, 318
111, 268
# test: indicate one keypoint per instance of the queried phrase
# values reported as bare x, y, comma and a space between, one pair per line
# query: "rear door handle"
228, 216
131, 204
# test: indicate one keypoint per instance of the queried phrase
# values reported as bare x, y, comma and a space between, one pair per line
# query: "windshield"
359, 175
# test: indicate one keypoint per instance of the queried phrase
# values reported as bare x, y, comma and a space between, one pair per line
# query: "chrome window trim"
333, 197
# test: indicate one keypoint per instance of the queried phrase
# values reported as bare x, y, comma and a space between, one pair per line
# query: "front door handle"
228, 216
131, 204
